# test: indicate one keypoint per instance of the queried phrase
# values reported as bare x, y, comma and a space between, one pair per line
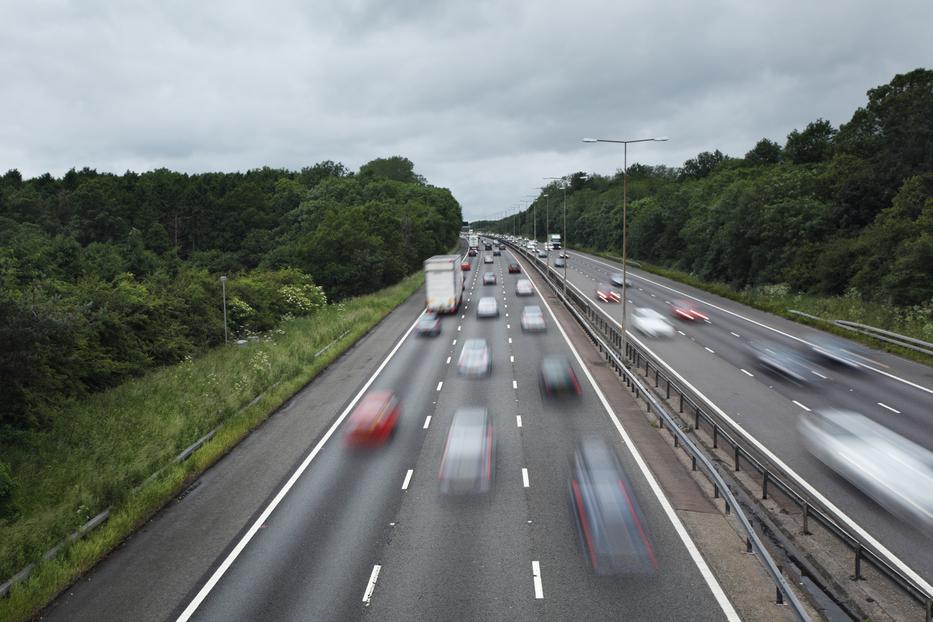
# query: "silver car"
533, 319
474, 358
651, 323
523, 288
468, 464
487, 307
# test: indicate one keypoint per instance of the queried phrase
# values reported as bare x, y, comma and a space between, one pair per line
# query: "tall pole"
563, 241
624, 241
223, 287
547, 224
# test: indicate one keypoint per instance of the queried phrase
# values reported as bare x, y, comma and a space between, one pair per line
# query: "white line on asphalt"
264, 516
816, 373
448, 360
510, 340
735, 334
507, 326
458, 328
672, 516
440, 384
454, 343
893, 410
407, 479
427, 422
801, 405
536, 575
518, 421
515, 384
748, 373
463, 317
368, 594
512, 358
682, 333
708, 350
525, 478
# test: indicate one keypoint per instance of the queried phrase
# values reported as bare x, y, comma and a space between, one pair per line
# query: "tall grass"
98, 451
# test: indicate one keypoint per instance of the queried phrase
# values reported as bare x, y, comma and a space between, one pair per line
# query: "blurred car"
487, 259
474, 358
489, 278
533, 319
560, 263
836, 351
542, 253
894, 471
501, 247
523, 287
650, 323
781, 360
469, 455
605, 293
429, 325
374, 419
611, 526
616, 279
487, 307
687, 310
497, 253
557, 377
563, 255
465, 266
487, 246
472, 252
514, 268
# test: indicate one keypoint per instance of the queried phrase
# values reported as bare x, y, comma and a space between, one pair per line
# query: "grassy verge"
916, 322
100, 451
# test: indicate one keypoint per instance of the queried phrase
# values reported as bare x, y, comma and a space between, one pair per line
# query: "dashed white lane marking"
458, 328
893, 410
463, 317
682, 333
515, 384
708, 350
427, 422
440, 384
512, 358
735, 334
508, 326
518, 421
448, 360
536, 575
506, 315
744, 371
368, 594
816, 373
510, 340
454, 343
801, 405
525, 478
407, 479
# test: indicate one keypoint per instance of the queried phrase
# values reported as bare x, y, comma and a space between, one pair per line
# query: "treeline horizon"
105, 276
831, 211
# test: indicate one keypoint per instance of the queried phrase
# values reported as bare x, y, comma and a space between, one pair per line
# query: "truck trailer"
443, 283
554, 241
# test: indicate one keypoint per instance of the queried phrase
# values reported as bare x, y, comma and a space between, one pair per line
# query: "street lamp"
625, 144
223, 287
547, 222
563, 237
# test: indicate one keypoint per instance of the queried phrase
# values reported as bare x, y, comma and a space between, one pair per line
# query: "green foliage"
765, 152
813, 144
7, 487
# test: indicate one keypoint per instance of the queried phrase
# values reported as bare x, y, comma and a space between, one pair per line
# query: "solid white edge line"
800, 481
893, 410
368, 594
801, 405
407, 479
518, 421
745, 371
231, 557
691, 547
536, 578
780, 332
427, 422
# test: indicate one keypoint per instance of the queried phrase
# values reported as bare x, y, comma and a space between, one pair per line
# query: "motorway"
714, 357
356, 534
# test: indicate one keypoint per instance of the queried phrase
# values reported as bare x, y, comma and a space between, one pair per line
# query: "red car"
514, 268
606, 293
686, 310
465, 266
374, 420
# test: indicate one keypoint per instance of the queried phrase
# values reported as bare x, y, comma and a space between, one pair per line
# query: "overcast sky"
485, 97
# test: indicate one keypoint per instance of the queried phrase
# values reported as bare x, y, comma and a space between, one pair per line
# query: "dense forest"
104, 276
845, 210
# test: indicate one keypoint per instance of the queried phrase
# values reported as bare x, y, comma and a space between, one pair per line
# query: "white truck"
474, 242
443, 283
554, 241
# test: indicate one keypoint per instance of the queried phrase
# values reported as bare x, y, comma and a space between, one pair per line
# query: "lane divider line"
536, 577
744, 371
515, 384
893, 410
709, 350
427, 422
368, 594
440, 384
801, 405
518, 421
525, 478
407, 479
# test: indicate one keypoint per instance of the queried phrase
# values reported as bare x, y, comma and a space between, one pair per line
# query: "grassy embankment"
100, 452
913, 322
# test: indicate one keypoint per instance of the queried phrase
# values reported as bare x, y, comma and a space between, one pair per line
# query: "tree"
813, 144
396, 168
765, 152
702, 165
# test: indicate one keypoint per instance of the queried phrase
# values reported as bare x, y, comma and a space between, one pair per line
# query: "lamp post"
547, 222
625, 144
223, 287
563, 237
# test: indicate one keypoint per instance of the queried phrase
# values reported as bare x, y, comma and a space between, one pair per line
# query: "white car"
651, 323
487, 307
523, 288
533, 319
487, 258
474, 358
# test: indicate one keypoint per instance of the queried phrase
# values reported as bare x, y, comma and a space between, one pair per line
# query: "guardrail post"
656, 381
858, 563
668, 390
780, 594
929, 609
748, 544
764, 484
715, 491
676, 441
693, 463
681, 403
715, 436
696, 413
806, 518
737, 457
726, 504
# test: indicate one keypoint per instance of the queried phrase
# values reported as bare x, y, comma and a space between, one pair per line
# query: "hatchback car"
781, 360
542, 253
487, 307
474, 358
533, 319
497, 253
487, 259
605, 293
560, 263
523, 288
557, 377
617, 279
650, 323
467, 466
688, 311
489, 278
465, 266
612, 529
374, 419
472, 252
429, 325
514, 268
